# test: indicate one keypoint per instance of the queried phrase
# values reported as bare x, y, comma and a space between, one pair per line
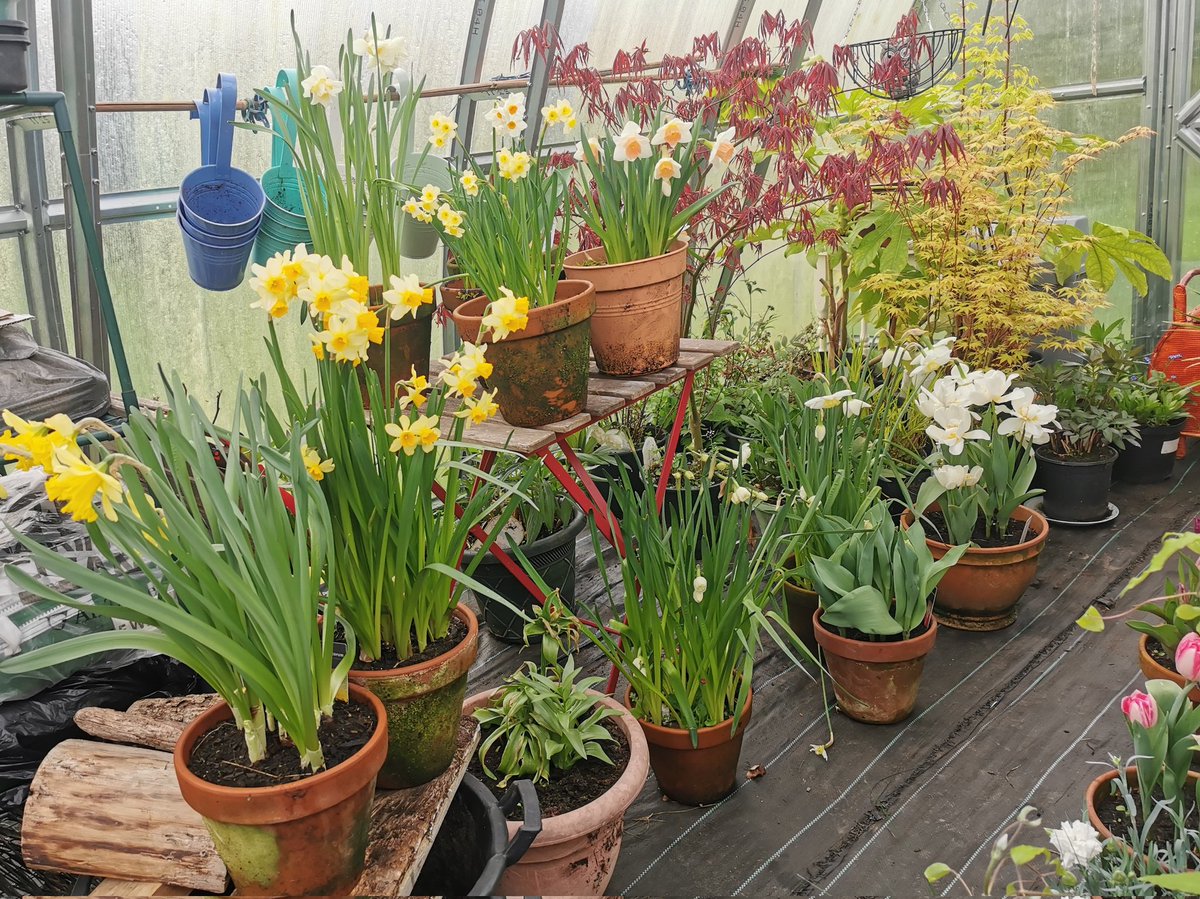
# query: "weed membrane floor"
1023, 716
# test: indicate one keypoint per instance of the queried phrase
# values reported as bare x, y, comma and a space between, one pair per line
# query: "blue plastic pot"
215, 267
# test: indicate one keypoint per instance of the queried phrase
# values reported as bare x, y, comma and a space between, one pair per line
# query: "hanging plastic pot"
417, 239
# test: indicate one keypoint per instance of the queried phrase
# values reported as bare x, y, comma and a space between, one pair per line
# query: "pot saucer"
1109, 518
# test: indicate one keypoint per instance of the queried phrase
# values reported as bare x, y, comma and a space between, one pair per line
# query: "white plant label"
1170, 446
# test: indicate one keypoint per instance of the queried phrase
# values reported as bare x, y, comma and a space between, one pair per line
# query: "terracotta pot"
875, 683
981, 591
424, 703
576, 852
801, 603
701, 774
296, 839
1154, 671
405, 345
1102, 783
540, 374
453, 294
639, 308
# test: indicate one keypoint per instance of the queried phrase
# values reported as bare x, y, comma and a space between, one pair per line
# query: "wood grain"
122, 727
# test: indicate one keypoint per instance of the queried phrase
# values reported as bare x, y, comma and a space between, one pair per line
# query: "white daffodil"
1076, 843
854, 407
946, 393
320, 86
990, 387
895, 355
595, 149
666, 170
1028, 420
722, 150
743, 454
630, 144
928, 362
952, 428
819, 432
952, 477
699, 585
672, 133
829, 401
740, 494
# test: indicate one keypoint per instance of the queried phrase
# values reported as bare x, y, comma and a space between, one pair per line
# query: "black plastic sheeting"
30, 728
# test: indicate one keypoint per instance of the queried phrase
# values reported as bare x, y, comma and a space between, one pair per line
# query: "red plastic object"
1177, 354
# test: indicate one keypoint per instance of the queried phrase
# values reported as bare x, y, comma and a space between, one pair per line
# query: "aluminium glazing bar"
738, 23
539, 73
1121, 87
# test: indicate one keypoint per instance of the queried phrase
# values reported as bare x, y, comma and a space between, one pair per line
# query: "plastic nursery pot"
14, 45
801, 604
1154, 670
540, 374
981, 591
1076, 489
303, 838
424, 703
1153, 459
639, 308
552, 557
417, 239
576, 852
700, 774
875, 683
1102, 784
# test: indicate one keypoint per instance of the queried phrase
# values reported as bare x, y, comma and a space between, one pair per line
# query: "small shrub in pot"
1157, 404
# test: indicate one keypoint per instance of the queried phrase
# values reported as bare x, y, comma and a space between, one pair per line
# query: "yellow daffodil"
479, 410
672, 133
412, 206
666, 170
35, 443
408, 435
566, 115
441, 130
271, 284
323, 285
78, 482
454, 231
406, 295
473, 360
516, 167
344, 341
367, 320
294, 265
414, 389
550, 114
357, 286
427, 430
446, 214
318, 346
316, 466
429, 197
470, 183
507, 314
504, 158
458, 379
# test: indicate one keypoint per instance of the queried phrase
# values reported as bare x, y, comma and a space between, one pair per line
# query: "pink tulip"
1140, 709
1187, 657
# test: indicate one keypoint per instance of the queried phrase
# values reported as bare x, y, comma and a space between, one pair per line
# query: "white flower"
595, 148
946, 394
854, 407
740, 495
953, 429
1028, 419
666, 170
721, 153
928, 363
819, 432
649, 453
640, 664
828, 401
953, 477
630, 144
990, 387
390, 53
1076, 843
320, 86
743, 454
896, 354
699, 585
672, 132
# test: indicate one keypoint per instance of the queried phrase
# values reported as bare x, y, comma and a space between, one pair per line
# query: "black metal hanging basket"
899, 67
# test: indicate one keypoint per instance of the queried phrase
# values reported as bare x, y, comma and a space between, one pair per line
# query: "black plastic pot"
1154, 459
14, 45
1076, 489
471, 849
607, 475
890, 490
553, 557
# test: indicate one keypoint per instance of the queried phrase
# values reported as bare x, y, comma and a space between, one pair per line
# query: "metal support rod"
539, 73
74, 68
1121, 87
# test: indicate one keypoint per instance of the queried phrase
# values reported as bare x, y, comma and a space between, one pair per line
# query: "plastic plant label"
1170, 446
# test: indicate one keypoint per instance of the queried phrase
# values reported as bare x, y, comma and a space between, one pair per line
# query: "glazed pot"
303, 838
424, 703
1153, 459
801, 604
540, 374
875, 683
576, 852
639, 308
1076, 489
552, 557
1102, 783
1156, 671
981, 591
700, 774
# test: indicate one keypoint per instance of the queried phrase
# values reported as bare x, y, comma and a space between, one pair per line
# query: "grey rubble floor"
1026, 715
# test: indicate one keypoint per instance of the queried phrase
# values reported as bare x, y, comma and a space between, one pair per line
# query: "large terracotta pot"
424, 703
540, 374
1101, 783
875, 683
981, 591
296, 839
701, 774
801, 604
453, 294
576, 852
639, 308
1154, 671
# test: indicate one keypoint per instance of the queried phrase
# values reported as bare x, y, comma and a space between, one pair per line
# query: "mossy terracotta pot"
297, 839
540, 374
424, 703
981, 591
875, 682
405, 345
697, 774
1102, 784
576, 852
1155, 671
639, 308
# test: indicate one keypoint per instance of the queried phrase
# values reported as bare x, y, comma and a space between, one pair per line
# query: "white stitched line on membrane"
933, 777
782, 849
1037, 786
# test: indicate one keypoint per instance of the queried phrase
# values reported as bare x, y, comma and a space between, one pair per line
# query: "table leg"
673, 441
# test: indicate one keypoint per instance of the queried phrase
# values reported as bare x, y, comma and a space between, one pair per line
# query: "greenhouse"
600, 448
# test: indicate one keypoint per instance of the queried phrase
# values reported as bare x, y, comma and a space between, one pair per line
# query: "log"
179, 709
115, 811
122, 727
